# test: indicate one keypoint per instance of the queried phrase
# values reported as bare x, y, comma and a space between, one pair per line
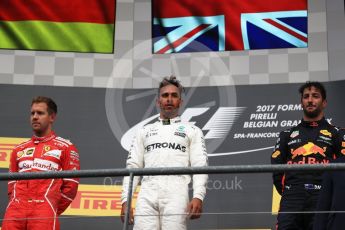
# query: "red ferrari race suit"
35, 204
307, 143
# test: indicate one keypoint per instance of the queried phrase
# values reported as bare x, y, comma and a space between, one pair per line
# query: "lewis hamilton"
163, 201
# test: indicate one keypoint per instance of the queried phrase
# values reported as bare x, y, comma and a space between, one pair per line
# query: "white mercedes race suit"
163, 200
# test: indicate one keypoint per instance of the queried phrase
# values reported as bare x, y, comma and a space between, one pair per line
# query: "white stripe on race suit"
68, 142
63, 195
24, 170
69, 179
14, 196
22, 144
50, 204
62, 143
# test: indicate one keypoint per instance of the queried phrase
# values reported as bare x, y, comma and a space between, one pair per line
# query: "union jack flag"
219, 25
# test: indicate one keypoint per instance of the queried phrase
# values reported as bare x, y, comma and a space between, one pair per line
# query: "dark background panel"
83, 117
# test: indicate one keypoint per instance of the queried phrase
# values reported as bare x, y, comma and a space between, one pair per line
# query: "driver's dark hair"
315, 84
52, 107
171, 80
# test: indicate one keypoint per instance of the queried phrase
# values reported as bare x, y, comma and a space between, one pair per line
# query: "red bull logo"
308, 149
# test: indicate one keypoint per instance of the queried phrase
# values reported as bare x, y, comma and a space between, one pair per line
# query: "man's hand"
123, 212
194, 208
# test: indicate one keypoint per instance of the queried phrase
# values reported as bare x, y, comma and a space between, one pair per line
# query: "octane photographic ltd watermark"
232, 184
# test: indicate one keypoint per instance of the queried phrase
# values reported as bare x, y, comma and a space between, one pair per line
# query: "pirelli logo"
97, 200
6, 146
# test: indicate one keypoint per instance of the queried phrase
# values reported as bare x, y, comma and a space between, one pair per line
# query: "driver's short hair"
171, 80
52, 107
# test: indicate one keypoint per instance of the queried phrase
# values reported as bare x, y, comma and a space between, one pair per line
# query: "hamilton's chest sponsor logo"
152, 131
165, 145
151, 134
180, 131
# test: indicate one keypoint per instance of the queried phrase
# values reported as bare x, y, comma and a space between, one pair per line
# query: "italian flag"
58, 25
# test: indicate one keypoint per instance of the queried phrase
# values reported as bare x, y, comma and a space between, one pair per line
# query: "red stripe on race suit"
94, 11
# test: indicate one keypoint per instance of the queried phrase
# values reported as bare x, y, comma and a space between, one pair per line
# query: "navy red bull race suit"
307, 143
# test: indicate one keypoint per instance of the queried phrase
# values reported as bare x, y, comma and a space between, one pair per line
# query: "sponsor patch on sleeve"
74, 155
53, 153
294, 134
28, 152
326, 132
276, 154
21, 153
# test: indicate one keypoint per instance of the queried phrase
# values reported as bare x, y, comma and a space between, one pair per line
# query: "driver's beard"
312, 114
171, 114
